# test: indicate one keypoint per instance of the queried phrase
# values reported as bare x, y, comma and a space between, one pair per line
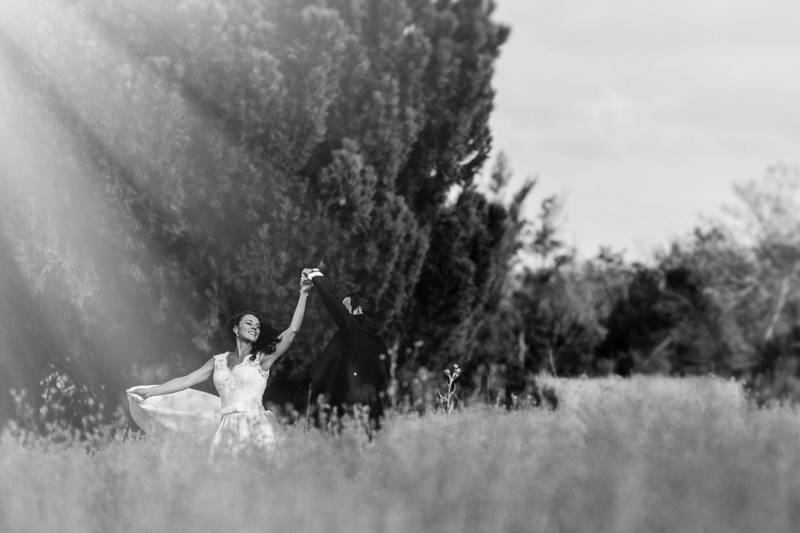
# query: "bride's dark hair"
267, 338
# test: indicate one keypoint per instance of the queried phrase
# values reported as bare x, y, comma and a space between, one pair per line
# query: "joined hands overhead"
306, 277
311, 273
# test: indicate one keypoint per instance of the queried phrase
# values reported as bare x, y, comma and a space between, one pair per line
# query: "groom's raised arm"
334, 306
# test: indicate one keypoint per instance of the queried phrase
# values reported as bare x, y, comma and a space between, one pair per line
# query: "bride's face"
249, 328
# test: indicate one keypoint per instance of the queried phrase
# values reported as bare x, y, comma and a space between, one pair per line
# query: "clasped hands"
306, 277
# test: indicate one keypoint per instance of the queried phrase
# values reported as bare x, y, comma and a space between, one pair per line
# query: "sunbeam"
64, 144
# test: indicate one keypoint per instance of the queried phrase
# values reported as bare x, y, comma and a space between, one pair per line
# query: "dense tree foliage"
194, 156
167, 164
723, 301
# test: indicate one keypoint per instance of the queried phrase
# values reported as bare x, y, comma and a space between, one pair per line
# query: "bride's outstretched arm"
287, 337
178, 384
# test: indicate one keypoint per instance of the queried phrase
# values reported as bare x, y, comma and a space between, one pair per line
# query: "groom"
352, 369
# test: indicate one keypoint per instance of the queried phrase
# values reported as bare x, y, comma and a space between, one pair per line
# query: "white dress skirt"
235, 421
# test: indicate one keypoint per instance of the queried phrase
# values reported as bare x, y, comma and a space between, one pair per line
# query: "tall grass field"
638, 455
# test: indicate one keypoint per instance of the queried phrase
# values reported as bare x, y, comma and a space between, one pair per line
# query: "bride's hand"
305, 283
141, 392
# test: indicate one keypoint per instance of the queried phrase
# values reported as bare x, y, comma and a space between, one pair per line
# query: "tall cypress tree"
216, 147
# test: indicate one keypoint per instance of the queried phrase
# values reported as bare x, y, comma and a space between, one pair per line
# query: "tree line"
166, 165
723, 300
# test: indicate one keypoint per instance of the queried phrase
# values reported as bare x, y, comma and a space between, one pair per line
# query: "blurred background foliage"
168, 164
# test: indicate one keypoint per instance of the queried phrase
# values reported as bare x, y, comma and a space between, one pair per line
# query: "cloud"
653, 107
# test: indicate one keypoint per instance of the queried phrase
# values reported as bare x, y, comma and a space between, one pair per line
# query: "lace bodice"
240, 388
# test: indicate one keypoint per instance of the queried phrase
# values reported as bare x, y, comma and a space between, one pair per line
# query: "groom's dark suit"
352, 369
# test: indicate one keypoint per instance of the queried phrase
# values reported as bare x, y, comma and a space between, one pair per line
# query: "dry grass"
637, 455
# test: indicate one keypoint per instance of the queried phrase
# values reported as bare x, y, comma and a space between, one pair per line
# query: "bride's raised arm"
286, 338
177, 384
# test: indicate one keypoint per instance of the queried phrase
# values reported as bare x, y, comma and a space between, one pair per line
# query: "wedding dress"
235, 421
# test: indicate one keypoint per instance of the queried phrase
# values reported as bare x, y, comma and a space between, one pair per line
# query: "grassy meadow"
646, 454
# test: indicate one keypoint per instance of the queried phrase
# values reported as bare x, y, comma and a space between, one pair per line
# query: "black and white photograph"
399, 266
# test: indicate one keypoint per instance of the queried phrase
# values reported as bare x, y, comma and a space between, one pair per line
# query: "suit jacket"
353, 366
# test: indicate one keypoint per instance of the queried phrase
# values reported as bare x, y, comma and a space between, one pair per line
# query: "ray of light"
46, 173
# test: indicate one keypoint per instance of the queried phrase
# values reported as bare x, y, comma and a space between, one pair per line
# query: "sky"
642, 114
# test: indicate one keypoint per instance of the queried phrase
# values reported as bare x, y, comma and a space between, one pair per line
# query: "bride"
236, 420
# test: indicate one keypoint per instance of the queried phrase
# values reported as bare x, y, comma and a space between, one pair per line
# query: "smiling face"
248, 328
